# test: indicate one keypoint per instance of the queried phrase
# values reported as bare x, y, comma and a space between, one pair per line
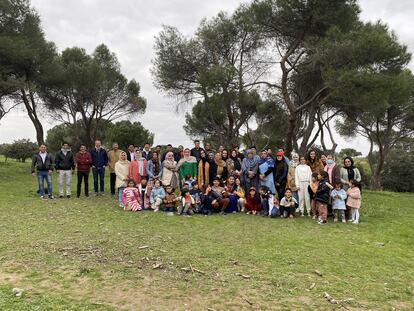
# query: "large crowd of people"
206, 181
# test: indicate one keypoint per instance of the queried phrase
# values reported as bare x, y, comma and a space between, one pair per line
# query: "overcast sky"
128, 28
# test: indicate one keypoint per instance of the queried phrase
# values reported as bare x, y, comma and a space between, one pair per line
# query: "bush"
20, 149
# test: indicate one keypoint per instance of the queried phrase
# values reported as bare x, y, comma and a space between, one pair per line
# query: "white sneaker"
355, 222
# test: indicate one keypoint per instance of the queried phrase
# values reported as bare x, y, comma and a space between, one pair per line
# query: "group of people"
206, 181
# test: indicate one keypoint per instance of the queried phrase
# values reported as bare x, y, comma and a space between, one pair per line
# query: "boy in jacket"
42, 164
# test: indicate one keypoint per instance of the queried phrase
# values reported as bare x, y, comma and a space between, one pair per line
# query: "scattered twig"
312, 286
157, 265
318, 272
211, 309
244, 276
338, 302
143, 247
248, 301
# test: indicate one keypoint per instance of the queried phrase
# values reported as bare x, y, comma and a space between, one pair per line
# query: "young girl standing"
322, 196
303, 178
338, 196
354, 200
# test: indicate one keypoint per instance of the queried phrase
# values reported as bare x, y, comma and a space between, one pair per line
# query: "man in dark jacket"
99, 162
83, 164
65, 166
42, 163
196, 151
146, 152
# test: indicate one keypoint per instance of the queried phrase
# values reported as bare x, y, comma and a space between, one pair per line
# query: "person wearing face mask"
332, 169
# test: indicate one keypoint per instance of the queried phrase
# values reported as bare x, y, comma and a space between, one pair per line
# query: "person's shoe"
96, 194
61, 196
322, 222
302, 214
313, 217
343, 221
248, 213
355, 222
291, 216
335, 219
51, 197
42, 197
68, 196
350, 220
156, 210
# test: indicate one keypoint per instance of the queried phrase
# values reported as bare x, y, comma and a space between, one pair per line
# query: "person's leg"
112, 177
102, 180
95, 179
265, 206
342, 215
301, 200
180, 209
348, 213
61, 177
120, 191
79, 184
69, 183
86, 181
308, 204
323, 211
49, 185
157, 204
40, 178
186, 208
336, 214
224, 203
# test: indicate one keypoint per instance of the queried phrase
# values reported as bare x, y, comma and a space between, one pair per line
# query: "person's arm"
72, 161
355, 194
162, 195
357, 174
149, 169
105, 156
57, 161
342, 176
342, 194
269, 170
195, 170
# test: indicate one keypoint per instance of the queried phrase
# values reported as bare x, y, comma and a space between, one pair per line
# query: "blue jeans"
98, 172
120, 192
41, 176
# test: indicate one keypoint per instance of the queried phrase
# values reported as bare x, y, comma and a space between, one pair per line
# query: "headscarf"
221, 164
292, 162
350, 169
189, 159
123, 162
236, 161
250, 164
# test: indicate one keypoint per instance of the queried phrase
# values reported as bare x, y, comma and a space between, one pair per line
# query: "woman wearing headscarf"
218, 168
249, 170
349, 172
138, 168
333, 169
187, 166
266, 168
235, 163
154, 169
291, 183
313, 161
203, 170
169, 171
121, 172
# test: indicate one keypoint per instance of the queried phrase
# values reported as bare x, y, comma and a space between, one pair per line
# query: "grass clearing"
86, 254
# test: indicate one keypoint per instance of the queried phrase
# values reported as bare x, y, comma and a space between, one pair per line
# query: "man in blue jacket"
99, 161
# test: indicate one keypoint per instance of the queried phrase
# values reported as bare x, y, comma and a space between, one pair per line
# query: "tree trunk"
30, 104
291, 132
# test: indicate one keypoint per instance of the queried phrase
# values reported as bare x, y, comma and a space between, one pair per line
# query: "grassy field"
87, 254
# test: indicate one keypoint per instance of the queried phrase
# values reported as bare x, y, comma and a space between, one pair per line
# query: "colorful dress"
131, 199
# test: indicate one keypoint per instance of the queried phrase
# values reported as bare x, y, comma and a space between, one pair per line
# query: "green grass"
84, 255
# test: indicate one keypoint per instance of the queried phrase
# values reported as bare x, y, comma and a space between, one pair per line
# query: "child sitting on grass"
131, 198
322, 196
187, 203
338, 196
275, 211
188, 181
288, 204
170, 199
354, 200
253, 202
157, 195
312, 188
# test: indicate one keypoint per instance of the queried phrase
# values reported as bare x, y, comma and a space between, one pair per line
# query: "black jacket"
280, 172
37, 162
64, 162
322, 194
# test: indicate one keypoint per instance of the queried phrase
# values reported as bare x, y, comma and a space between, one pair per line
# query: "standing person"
266, 168
65, 167
122, 178
332, 169
239, 154
169, 171
203, 170
290, 180
249, 171
312, 188
322, 196
138, 168
254, 150
43, 163
314, 163
146, 153
323, 159
180, 152
218, 168
303, 178
280, 174
113, 157
83, 164
207, 148
338, 196
196, 151
131, 152
187, 166
99, 161
349, 172
285, 158
154, 169
236, 162
170, 149
354, 200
